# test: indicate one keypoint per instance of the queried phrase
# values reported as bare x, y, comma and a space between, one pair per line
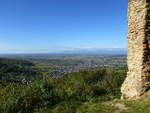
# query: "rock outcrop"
137, 82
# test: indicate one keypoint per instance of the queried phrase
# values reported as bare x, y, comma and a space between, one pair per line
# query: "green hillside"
17, 71
93, 91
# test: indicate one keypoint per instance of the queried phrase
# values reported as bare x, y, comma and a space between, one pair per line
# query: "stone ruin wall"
137, 82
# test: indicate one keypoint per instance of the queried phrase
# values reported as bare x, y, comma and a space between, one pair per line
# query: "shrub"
80, 91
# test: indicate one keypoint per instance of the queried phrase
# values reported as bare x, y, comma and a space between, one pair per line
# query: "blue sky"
55, 25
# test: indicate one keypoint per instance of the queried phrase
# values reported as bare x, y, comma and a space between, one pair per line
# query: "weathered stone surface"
138, 76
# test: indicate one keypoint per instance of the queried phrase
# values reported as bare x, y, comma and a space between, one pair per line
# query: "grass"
139, 106
77, 107
95, 108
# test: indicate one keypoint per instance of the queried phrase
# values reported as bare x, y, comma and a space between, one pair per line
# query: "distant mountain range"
94, 51
84, 51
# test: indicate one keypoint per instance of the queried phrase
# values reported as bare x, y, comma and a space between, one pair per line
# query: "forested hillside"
17, 71
78, 92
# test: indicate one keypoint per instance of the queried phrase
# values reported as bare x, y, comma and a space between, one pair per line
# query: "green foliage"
86, 85
80, 91
66, 107
17, 71
26, 98
7, 61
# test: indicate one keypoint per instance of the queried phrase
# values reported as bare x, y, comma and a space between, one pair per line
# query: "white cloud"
87, 47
